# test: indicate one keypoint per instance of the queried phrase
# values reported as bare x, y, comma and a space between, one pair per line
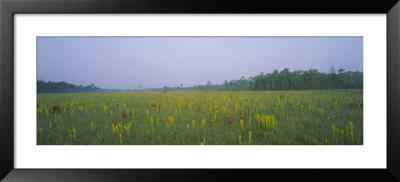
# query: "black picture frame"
8, 8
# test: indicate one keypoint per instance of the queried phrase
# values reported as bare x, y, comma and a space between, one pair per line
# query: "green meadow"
315, 117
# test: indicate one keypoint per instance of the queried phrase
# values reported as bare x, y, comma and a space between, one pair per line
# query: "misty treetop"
299, 80
62, 87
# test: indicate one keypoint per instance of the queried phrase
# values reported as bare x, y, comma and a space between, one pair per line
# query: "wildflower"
120, 138
249, 137
268, 121
151, 122
275, 110
351, 129
170, 120
74, 132
203, 123
105, 108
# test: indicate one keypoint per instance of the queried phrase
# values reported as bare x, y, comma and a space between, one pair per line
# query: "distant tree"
333, 77
285, 73
275, 79
208, 85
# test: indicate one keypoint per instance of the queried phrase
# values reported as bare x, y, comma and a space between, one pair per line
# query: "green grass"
303, 118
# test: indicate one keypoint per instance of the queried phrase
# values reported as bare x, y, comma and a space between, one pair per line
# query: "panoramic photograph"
199, 91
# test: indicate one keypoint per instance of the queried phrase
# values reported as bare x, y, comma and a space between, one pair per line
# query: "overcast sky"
154, 62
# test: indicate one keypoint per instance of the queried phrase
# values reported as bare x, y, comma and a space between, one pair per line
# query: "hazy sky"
154, 62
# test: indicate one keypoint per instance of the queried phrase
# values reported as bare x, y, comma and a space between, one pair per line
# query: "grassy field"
201, 118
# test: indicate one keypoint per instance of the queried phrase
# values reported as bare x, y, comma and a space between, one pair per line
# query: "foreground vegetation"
201, 118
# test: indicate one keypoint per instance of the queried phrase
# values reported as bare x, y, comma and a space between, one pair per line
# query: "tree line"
310, 79
63, 87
